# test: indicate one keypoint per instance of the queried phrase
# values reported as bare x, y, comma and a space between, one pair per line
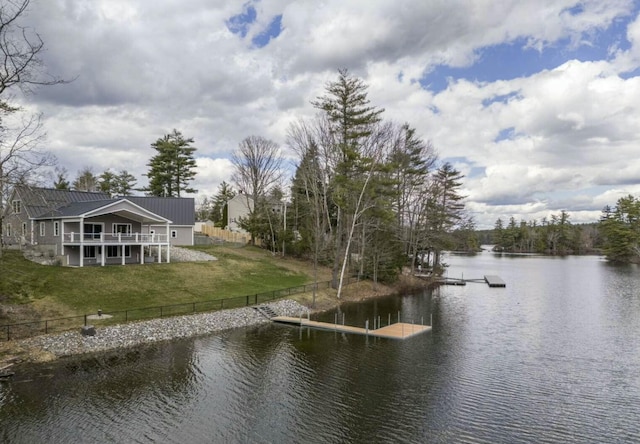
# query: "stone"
88, 330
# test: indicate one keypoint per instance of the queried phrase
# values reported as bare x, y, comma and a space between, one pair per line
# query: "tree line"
553, 235
368, 196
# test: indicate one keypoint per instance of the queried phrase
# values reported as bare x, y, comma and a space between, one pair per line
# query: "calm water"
554, 357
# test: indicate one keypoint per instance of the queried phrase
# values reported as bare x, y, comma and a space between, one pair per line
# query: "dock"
491, 280
494, 281
399, 330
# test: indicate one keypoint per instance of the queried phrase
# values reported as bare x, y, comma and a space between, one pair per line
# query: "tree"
620, 227
86, 181
20, 67
61, 182
447, 209
257, 168
351, 122
173, 167
125, 182
219, 208
107, 183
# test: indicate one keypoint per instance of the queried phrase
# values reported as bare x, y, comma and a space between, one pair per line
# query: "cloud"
531, 140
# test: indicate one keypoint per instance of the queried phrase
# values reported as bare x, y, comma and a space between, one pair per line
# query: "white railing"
115, 238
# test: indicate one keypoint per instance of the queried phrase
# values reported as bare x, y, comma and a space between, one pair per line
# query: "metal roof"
46, 203
37, 201
179, 210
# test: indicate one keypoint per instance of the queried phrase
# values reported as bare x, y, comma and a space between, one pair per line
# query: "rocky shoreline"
49, 347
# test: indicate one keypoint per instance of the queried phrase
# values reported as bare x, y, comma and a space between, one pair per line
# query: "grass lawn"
63, 291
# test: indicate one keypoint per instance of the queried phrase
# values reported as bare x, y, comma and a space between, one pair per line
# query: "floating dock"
494, 281
399, 330
491, 280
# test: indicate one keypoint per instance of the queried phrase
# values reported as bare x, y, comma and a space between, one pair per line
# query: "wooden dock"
399, 330
494, 281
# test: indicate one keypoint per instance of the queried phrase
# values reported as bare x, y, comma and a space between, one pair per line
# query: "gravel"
132, 334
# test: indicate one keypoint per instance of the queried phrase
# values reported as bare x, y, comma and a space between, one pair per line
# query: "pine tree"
173, 167
219, 207
352, 122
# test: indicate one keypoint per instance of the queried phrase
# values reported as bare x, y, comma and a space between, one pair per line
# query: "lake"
553, 357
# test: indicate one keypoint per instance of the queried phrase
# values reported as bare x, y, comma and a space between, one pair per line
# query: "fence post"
46, 327
194, 307
8, 334
85, 320
247, 300
161, 311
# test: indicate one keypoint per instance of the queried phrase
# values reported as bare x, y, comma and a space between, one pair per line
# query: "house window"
92, 231
24, 228
17, 206
8, 230
116, 251
42, 228
122, 228
90, 251
174, 234
56, 228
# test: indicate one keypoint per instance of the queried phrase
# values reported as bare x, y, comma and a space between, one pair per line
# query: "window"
174, 234
8, 230
42, 228
17, 206
122, 228
56, 228
116, 251
24, 228
90, 251
92, 231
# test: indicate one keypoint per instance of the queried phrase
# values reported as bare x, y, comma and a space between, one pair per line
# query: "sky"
536, 102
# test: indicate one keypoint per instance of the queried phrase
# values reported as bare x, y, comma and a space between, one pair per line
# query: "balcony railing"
115, 238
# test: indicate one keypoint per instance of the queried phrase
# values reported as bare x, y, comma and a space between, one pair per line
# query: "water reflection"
550, 358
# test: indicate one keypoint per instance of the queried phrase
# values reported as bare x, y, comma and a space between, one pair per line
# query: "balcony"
114, 238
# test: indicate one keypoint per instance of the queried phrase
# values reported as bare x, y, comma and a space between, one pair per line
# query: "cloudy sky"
537, 102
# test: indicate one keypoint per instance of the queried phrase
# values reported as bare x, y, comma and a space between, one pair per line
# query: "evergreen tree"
173, 167
219, 206
61, 182
351, 124
125, 181
107, 183
621, 230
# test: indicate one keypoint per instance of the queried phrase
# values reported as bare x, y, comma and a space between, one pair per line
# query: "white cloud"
143, 68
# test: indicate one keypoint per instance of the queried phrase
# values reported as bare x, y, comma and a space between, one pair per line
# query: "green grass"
64, 291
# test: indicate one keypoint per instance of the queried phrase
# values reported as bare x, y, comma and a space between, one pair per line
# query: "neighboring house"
239, 206
86, 228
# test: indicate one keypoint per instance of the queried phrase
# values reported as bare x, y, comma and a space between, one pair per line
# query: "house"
84, 228
239, 206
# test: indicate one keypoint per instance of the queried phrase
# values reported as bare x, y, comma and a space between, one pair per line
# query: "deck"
494, 281
399, 330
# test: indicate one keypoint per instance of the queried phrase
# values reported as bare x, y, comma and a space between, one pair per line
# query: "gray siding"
184, 235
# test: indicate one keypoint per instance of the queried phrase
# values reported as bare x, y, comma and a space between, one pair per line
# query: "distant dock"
399, 330
491, 280
494, 281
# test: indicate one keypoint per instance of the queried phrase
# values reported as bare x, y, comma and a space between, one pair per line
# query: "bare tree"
20, 67
19, 154
20, 51
257, 167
